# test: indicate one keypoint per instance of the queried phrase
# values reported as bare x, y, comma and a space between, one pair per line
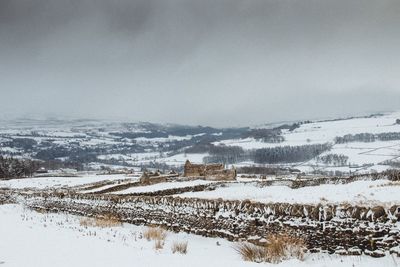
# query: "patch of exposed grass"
277, 249
179, 247
250, 252
104, 222
153, 233
157, 234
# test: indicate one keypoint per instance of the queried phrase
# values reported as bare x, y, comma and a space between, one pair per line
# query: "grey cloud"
210, 62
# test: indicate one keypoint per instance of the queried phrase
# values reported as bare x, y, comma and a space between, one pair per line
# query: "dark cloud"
210, 62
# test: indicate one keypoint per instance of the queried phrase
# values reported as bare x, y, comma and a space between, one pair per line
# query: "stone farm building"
209, 171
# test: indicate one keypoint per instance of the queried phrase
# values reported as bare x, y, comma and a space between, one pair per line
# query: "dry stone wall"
331, 228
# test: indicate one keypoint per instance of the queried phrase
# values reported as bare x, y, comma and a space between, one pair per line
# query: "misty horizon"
64, 118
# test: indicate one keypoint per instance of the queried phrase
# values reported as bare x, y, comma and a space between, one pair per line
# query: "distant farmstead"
209, 171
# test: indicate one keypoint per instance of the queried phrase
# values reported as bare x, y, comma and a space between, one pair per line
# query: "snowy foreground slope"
336, 215
34, 239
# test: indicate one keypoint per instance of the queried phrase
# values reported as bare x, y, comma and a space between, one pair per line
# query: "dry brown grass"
285, 247
156, 234
152, 233
277, 249
179, 247
108, 221
158, 244
250, 252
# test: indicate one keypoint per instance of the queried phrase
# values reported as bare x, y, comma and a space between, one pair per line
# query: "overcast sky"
214, 62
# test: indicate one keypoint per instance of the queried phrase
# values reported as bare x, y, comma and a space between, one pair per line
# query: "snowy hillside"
352, 145
362, 156
58, 236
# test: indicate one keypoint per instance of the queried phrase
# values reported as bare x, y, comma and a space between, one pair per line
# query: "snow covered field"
146, 158
380, 192
360, 192
359, 153
35, 239
58, 182
162, 186
108, 186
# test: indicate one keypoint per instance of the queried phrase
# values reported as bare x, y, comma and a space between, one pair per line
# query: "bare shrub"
277, 249
152, 233
179, 247
107, 221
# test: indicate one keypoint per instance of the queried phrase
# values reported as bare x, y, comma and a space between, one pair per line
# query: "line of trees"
289, 154
24, 143
367, 137
266, 135
226, 154
392, 163
273, 155
269, 170
16, 168
333, 159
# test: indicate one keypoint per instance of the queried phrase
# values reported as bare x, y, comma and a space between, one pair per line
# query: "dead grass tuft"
179, 247
250, 252
156, 234
152, 233
108, 221
158, 244
277, 249
285, 247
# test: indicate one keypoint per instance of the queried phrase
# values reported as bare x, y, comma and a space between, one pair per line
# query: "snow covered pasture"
162, 186
373, 154
36, 239
58, 182
146, 158
367, 193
